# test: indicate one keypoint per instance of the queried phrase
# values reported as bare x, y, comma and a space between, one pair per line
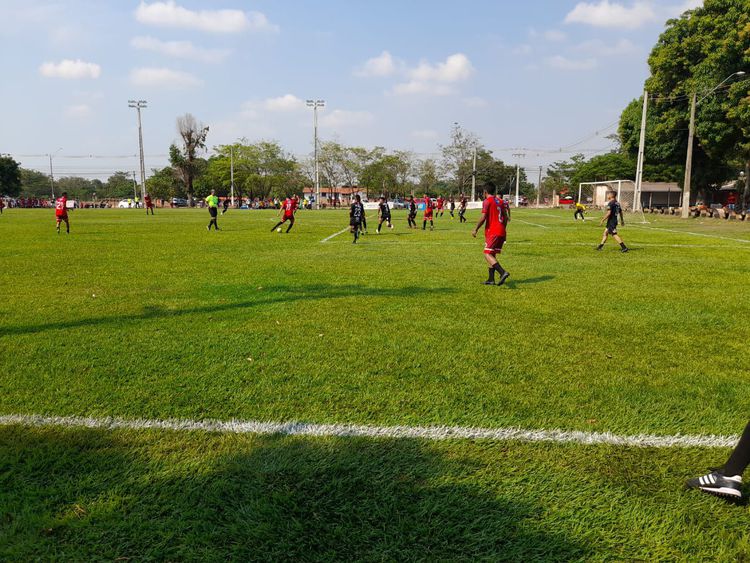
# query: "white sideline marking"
335, 235
532, 224
351, 430
694, 234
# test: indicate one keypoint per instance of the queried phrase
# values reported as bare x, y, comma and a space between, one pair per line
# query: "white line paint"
335, 235
350, 430
530, 223
694, 234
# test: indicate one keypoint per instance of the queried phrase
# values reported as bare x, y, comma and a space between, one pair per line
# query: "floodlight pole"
519, 155
231, 174
641, 155
315, 104
138, 105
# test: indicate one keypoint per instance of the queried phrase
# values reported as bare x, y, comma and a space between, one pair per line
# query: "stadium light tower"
51, 175
315, 104
138, 105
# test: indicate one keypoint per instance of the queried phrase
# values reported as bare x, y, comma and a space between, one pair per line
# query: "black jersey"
357, 212
385, 211
615, 210
412, 208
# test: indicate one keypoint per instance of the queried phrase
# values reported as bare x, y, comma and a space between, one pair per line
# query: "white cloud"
598, 47
382, 65
180, 49
427, 134
78, 111
70, 69
612, 14
163, 77
170, 14
345, 118
554, 35
475, 102
524, 49
679, 9
436, 79
423, 87
284, 103
563, 63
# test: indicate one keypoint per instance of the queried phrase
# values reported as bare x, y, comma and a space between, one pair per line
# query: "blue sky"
539, 74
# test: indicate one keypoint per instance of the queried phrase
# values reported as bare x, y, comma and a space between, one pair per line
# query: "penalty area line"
530, 223
342, 231
692, 233
292, 428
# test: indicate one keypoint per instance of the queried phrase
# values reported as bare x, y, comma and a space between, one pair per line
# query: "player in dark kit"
726, 481
61, 212
288, 208
495, 217
225, 205
452, 207
384, 214
427, 213
412, 217
149, 204
462, 209
356, 215
614, 210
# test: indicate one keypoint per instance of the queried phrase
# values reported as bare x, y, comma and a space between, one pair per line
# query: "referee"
213, 209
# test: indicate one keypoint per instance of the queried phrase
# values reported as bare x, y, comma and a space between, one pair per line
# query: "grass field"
155, 318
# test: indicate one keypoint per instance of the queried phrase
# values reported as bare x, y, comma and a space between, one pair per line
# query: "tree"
34, 183
428, 176
163, 184
193, 135
76, 187
389, 174
118, 185
10, 177
457, 156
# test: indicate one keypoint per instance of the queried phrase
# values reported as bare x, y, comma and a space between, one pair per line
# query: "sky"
530, 77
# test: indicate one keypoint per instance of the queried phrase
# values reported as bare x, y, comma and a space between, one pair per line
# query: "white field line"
351, 430
587, 244
694, 234
530, 223
335, 235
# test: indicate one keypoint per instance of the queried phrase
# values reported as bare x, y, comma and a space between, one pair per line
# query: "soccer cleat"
624, 250
503, 278
718, 484
208, 228
600, 247
488, 282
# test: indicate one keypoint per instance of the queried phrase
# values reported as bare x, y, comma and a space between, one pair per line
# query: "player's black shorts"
612, 228
355, 223
385, 218
213, 211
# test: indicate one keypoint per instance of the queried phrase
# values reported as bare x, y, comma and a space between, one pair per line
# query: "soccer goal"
594, 194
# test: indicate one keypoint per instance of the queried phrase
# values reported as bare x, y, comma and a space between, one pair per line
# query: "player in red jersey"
440, 204
2, 206
288, 208
61, 212
427, 213
149, 204
495, 217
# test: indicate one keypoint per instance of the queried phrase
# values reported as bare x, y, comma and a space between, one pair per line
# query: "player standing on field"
213, 209
287, 208
61, 212
412, 217
356, 215
384, 214
427, 213
614, 210
462, 209
225, 205
495, 217
580, 208
149, 204
452, 207
440, 205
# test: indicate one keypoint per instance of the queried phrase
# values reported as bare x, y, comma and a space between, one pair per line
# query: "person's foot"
208, 228
600, 247
488, 282
624, 250
503, 278
718, 484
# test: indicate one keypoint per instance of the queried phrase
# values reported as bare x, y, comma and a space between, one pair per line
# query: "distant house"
339, 196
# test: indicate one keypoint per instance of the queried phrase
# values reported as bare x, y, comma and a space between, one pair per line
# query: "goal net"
594, 194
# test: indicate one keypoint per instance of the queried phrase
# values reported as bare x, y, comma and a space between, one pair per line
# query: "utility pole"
689, 162
135, 188
474, 176
315, 104
519, 155
539, 187
138, 105
641, 155
51, 175
231, 174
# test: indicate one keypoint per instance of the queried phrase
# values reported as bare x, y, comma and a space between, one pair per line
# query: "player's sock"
424, 225
491, 276
623, 247
290, 228
499, 269
601, 245
276, 226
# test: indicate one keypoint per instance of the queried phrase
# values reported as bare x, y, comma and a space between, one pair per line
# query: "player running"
451, 207
149, 204
427, 213
213, 209
495, 217
440, 205
580, 208
61, 212
614, 210
412, 217
288, 208
384, 214
2, 206
356, 216
225, 205
726, 481
462, 209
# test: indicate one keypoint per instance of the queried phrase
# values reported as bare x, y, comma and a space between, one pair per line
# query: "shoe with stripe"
716, 483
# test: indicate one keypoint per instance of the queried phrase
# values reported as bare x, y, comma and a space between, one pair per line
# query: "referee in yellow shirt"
580, 208
213, 209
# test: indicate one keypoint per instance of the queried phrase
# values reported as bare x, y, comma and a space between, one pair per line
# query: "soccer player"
2, 206
580, 208
287, 209
412, 217
61, 212
451, 207
384, 214
614, 210
356, 215
225, 205
427, 213
440, 204
726, 481
495, 217
149, 204
462, 209
213, 209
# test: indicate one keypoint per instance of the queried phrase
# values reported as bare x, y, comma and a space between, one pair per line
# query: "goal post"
594, 194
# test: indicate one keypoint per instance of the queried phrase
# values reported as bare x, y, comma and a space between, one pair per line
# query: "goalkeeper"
580, 208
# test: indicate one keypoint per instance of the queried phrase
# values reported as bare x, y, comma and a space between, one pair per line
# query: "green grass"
153, 317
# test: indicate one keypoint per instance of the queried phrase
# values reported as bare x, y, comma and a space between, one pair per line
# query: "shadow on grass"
261, 297
512, 284
82, 494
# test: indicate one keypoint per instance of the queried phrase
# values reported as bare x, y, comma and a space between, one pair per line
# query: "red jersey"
492, 208
147, 200
289, 207
61, 206
440, 202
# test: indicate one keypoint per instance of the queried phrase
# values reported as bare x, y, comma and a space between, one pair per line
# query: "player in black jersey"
384, 214
614, 210
462, 209
452, 206
412, 218
356, 215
